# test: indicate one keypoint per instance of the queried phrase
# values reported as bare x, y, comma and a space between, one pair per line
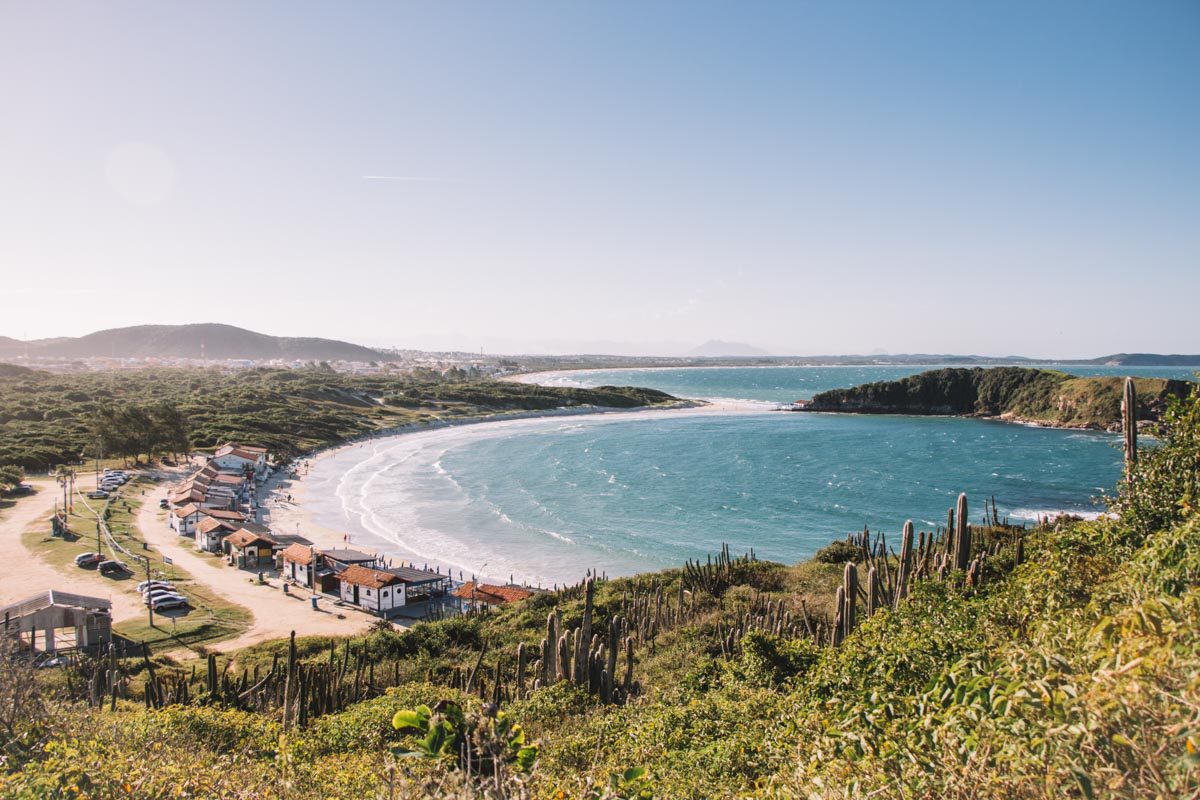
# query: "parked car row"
161, 595
113, 479
105, 566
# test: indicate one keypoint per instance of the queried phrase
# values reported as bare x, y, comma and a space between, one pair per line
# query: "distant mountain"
1147, 360
208, 340
718, 349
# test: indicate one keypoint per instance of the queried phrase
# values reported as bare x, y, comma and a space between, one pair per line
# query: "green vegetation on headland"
1062, 664
48, 419
1046, 397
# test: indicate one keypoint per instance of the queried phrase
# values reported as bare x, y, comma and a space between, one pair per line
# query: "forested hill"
1044, 396
48, 419
208, 340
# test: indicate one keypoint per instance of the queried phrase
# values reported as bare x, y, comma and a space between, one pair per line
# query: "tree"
10, 477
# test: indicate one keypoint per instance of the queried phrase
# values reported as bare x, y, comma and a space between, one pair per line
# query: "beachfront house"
250, 547
481, 595
242, 458
371, 589
210, 532
183, 520
296, 563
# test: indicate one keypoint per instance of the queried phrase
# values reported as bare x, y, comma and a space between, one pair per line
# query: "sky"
624, 177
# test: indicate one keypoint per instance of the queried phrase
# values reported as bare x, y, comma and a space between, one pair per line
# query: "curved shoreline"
282, 498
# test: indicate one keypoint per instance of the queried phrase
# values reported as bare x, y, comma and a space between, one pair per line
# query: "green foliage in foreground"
48, 419
1077, 675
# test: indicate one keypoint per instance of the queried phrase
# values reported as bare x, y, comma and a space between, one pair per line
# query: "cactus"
872, 591
1129, 424
850, 583
904, 567
962, 536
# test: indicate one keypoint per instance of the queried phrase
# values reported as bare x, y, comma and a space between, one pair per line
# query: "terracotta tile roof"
186, 511
241, 451
235, 480
243, 538
365, 576
224, 513
298, 554
490, 593
209, 524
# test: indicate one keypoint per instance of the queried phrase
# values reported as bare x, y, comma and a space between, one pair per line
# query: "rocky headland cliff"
1019, 394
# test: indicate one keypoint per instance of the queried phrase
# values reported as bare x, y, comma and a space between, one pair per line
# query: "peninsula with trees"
1018, 394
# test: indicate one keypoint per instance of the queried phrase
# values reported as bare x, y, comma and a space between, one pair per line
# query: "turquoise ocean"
543, 500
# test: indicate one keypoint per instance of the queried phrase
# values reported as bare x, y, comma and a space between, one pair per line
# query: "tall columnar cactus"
872, 591
850, 583
550, 651
904, 567
962, 535
1129, 423
839, 615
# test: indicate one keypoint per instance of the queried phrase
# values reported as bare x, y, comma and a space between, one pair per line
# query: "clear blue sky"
808, 178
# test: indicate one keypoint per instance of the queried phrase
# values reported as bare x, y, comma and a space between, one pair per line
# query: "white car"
150, 598
144, 585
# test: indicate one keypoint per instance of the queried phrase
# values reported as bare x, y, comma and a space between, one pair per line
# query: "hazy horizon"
806, 179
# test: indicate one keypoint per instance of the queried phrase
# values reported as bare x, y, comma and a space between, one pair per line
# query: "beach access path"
275, 614
26, 573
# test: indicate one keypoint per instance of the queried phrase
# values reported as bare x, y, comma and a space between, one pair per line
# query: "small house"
183, 520
372, 589
250, 547
210, 532
296, 563
242, 458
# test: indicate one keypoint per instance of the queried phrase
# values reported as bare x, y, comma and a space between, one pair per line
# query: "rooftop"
490, 593
365, 576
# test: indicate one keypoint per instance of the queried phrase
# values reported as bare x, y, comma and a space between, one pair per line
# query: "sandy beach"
282, 499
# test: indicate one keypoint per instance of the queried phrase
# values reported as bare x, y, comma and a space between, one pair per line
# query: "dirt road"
275, 614
26, 574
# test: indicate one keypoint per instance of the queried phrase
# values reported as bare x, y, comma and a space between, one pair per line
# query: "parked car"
88, 560
99, 494
154, 598
112, 568
163, 503
144, 585
168, 603
156, 592
22, 488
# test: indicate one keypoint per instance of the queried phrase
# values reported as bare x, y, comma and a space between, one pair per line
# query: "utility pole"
150, 605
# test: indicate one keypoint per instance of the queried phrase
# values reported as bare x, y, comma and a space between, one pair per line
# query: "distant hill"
718, 349
207, 340
1147, 360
